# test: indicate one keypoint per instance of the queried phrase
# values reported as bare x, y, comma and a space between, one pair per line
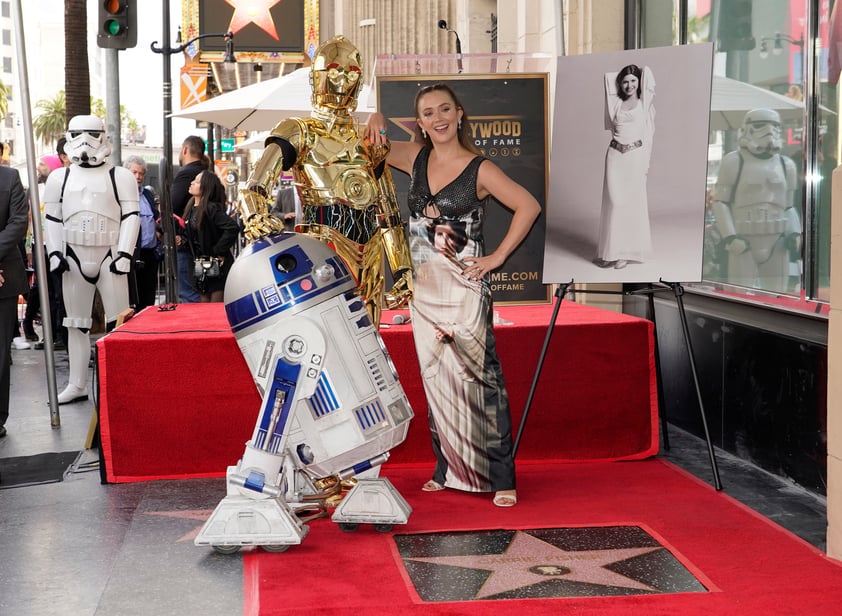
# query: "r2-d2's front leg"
255, 510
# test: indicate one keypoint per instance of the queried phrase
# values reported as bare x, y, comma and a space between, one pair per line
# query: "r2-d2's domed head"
86, 144
336, 76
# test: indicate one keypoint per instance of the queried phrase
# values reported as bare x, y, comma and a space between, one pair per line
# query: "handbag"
206, 267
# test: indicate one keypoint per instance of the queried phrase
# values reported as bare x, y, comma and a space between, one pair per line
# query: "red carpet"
177, 400
748, 564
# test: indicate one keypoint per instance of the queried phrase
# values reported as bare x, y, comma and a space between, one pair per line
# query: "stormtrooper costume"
754, 205
92, 222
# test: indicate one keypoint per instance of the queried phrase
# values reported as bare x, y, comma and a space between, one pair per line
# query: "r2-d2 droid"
332, 403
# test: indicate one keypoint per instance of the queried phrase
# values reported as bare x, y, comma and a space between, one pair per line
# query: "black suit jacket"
14, 219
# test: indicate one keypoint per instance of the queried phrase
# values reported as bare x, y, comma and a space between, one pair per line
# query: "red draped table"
176, 399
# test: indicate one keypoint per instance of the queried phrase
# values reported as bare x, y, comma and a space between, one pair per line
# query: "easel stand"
678, 291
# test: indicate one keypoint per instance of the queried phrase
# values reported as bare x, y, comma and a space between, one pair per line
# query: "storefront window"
773, 140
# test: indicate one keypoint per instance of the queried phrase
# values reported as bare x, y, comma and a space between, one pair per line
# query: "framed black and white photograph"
628, 166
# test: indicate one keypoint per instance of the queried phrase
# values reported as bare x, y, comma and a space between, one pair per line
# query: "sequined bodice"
455, 200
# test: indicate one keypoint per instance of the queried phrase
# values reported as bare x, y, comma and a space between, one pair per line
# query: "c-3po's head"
336, 76
86, 144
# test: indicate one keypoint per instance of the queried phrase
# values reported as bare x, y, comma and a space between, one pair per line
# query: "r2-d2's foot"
73, 393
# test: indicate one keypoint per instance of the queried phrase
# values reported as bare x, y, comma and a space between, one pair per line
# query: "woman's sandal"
505, 498
432, 486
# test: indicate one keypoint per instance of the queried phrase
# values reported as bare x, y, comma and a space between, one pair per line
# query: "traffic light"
117, 24
734, 31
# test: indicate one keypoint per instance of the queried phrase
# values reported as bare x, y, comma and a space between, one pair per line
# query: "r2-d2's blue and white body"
332, 403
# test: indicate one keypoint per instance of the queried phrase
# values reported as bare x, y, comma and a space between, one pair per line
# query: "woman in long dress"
624, 230
451, 309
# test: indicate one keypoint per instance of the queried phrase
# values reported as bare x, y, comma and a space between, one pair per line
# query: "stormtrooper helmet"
761, 132
86, 144
336, 76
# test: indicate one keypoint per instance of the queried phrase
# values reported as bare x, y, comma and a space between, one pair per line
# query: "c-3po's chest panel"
337, 167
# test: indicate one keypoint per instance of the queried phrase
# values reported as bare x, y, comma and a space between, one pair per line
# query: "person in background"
147, 254
63, 157
210, 232
46, 165
54, 287
451, 309
287, 207
19, 341
14, 219
192, 160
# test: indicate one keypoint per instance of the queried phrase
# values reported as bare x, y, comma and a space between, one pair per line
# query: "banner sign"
508, 117
194, 84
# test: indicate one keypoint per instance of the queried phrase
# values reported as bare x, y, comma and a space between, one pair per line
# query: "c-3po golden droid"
345, 186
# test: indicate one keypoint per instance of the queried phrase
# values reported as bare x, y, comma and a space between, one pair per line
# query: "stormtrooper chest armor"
90, 209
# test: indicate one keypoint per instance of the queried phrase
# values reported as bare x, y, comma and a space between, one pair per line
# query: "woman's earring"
459, 124
423, 133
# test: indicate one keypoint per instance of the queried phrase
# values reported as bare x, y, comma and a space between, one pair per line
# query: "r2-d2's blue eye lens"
286, 263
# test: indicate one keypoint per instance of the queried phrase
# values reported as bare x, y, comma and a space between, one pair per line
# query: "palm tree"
134, 128
77, 81
98, 108
51, 123
4, 100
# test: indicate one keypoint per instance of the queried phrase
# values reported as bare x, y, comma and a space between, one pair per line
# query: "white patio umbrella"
261, 106
730, 100
256, 141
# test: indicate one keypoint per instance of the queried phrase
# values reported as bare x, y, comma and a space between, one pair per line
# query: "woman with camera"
211, 234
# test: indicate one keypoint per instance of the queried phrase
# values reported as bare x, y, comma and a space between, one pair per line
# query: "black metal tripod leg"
560, 293
679, 292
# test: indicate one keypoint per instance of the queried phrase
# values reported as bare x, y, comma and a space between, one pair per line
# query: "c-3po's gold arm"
253, 202
393, 232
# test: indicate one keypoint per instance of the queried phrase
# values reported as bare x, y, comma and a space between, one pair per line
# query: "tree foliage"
51, 123
5, 92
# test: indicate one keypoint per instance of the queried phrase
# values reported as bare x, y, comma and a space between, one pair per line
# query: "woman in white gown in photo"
624, 230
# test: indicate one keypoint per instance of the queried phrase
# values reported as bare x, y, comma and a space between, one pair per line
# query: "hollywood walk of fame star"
186, 514
253, 11
528, 560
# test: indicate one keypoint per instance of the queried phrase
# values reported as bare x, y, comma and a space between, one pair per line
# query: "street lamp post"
777, 44
170, 261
